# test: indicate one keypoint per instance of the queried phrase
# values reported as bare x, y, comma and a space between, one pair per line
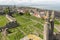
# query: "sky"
28, 2
48, 4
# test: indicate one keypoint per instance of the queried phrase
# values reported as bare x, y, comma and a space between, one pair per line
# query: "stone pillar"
46, 27
52, 24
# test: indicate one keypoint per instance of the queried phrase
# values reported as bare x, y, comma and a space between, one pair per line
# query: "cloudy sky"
28, 2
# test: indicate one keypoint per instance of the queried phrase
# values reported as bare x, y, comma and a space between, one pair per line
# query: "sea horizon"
56, 8
47, 7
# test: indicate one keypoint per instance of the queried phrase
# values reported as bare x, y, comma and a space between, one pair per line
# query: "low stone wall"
10, 18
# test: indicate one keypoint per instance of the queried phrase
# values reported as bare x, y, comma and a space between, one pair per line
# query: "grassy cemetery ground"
28, 25
3, 21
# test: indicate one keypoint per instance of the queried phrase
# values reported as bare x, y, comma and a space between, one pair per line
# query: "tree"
6, 10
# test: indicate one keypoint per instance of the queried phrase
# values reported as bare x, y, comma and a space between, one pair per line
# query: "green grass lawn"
3, 21
57, 22
28, 25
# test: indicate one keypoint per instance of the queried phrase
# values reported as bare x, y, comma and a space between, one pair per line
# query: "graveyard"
28, 24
